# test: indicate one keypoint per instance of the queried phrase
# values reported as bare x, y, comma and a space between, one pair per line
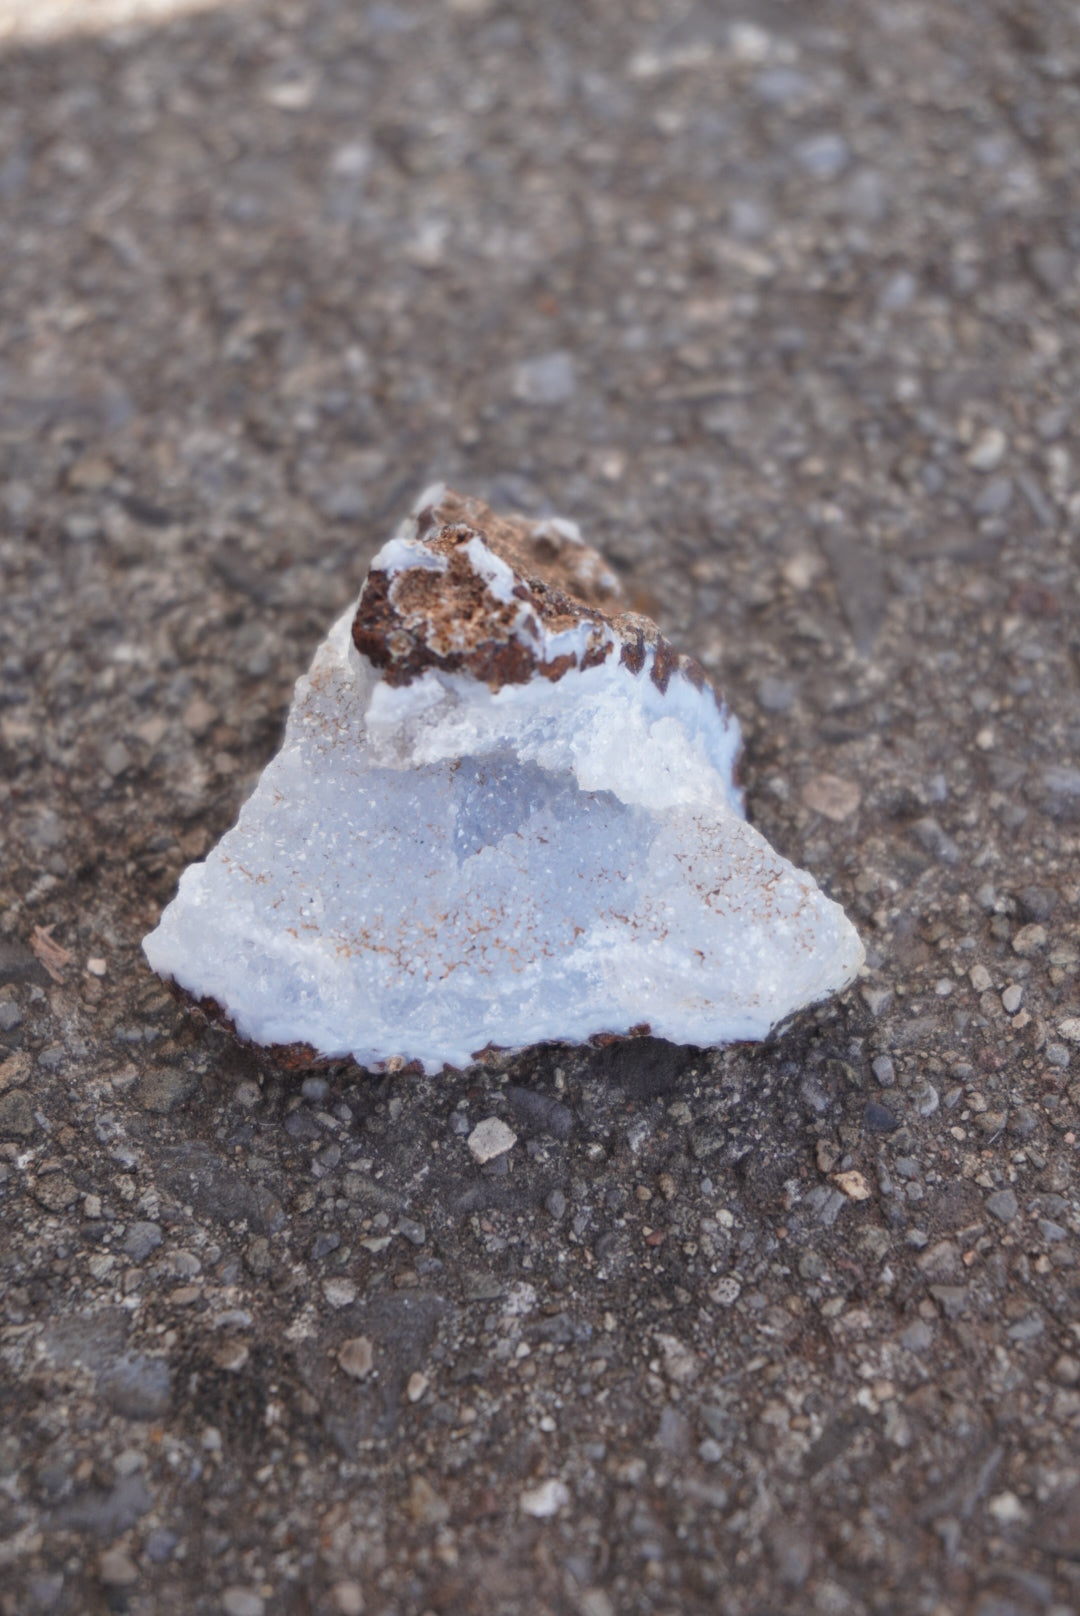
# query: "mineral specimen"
505, 811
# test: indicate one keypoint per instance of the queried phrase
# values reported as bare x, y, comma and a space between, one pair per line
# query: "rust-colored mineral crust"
503, 631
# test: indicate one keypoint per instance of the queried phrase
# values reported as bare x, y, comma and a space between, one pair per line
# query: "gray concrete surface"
780, 304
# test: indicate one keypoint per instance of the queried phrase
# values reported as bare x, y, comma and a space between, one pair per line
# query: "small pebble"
823, 156
117, 1569
988, 450
351, 160
1050, 424
865, 196
199, 715
546, 1500
1003, 1205
1029, 940
1012, 997
117, 759
356, 1357
898, 292
934, 840
781, 86
1066, 1370
491, 1138
877, 999
232, 1356
160, 1545
546, 380
425, 1505
832, 796
994, 498
348, 1599
749, 218
953, 1300
413, 1231
164, 1089
242, 1602
1052, 266
878, 1118
17, 1120
1006, 1509
726, 1291
853, 1185
141, 1239
926, 1099
884, 1070
776, 696
339, 1292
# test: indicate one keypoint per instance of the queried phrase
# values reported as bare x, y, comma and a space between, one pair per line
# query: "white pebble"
725, 1293
546, 1500
242, 1602
339, 1292
348, 1598
988, 450
1006, 1509
491, 1138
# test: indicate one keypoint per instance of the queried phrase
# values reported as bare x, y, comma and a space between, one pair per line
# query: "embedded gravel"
780, 304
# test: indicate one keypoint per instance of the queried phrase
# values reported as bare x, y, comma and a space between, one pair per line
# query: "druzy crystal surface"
504, 811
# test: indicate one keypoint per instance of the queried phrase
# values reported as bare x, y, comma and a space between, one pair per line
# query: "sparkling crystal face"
434, 865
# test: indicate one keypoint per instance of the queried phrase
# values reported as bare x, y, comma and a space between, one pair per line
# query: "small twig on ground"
50, 952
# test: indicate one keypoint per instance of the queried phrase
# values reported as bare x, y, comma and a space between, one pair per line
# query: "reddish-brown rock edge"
411, 619
304, 1059
289, 1057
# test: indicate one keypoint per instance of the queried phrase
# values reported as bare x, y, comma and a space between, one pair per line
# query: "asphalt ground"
780, 305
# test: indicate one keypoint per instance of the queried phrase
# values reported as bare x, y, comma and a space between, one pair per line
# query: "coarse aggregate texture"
785, 314
546, 847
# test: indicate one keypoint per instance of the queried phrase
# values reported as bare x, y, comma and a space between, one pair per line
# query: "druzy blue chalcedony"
505, 811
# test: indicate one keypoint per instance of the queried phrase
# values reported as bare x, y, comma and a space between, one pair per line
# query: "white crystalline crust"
426, 870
